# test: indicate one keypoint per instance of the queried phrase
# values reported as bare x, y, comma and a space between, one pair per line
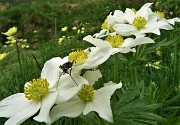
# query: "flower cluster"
62, 89
12, 38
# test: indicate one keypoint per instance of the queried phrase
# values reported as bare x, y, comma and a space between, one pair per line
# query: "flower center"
36, 89
134, 10
78, 57
86, 93
139, 22
161, 14
105, 26
115, 41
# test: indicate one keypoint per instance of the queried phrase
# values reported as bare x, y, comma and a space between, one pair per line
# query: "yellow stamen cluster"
78, 57
134, 10
161, 14
139, 22
86, 93
115, 41
36, 89
105, 26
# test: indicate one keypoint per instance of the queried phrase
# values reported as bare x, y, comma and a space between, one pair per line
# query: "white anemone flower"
161, 16
116, 44
107, 27
39, 94
84, 59
139, 23
116, 17
87, 100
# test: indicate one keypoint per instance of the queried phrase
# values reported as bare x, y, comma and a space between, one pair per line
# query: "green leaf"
162, 43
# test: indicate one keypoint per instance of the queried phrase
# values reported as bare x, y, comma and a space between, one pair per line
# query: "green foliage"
131, 109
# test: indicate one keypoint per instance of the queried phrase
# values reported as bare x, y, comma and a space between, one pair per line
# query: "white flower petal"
76, 69
101, 101
151, 21
143, 11
138, 33
94, 55
68, 88
106, 54
47, 102
176, 19
129, 42
92, 51
72, 108
163, 24
124, 29
51, 70
154, 30
21, 116
108, 89
67, 94
151, 13
101, 105
126, 50
13, 104
101, 34
171, 21
129, 15
114, 51
91, 63
97, 42
146, 6
167, 27
155, 26
65, 59
104, 46
92, 76
117, 17
67, 81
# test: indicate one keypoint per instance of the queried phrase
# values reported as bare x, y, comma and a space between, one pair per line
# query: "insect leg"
71, 76
60, 74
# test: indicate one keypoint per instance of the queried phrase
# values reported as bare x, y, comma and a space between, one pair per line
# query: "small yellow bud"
64, 29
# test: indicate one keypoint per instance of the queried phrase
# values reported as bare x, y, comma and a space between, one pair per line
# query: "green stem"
116, 73
116, 78
18, 55
55, 29
176, 67
19, 59
141, 51
134, 75
34, 57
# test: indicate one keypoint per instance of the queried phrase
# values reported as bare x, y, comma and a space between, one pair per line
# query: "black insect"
66, 68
